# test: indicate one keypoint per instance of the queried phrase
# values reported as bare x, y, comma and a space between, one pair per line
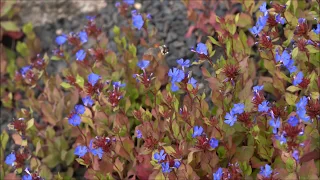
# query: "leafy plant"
120, 116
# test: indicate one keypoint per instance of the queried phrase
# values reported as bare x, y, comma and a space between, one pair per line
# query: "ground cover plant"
116, 115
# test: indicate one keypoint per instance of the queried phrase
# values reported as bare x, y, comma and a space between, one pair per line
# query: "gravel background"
53, 17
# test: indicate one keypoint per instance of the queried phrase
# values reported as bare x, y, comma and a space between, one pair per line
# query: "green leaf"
116, 30
221, 152
9, 26
65, 85
290, 164
6, 6
214, 41
30, 123
169, 149
27, 28
228, 46
133, 49
190, 157
236, 19
50, 132
290, 98
45, 172
55, 58
160, 176
269, 65
232, 28
80, 81
38, 147
244, 153
124, 42
312, 49
52, 160
22, 49
293, 89
88, 121
295, 52
81, 161
175, 128
69, 157
4, 139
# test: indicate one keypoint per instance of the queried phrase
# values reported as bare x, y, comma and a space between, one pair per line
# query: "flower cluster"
178, 75
167, 162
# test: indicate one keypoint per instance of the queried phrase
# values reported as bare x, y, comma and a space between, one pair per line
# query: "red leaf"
14, 34
190, 30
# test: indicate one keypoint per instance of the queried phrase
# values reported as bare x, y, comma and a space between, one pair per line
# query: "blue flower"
302, 115
81, 151
24, 70
263, 107
74, 120
301, 104
117, 4
254, 30
174, 87
137, 21
297, 79
61, 39
97, 152
293, 121
292, 69
202, 49
80, 55
260, 24
263, 8
177, 164
149, 16
301, 20
143, 64
281, 138
301, 109
87, 101
266, 171
214, 142
197, 131
177, 75
275, 123
165, 167
218, 174
295, 155
193, 82
93, 78
10, 159
129, 2
257, 88
139, 134
91, 18
26, 177
230, 118
83, 36
238, 108
317, 31
80, 109
183, 63
118, 84
280, 19
285, 57
159, 156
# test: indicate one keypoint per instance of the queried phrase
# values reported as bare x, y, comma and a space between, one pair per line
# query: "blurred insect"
157, 52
